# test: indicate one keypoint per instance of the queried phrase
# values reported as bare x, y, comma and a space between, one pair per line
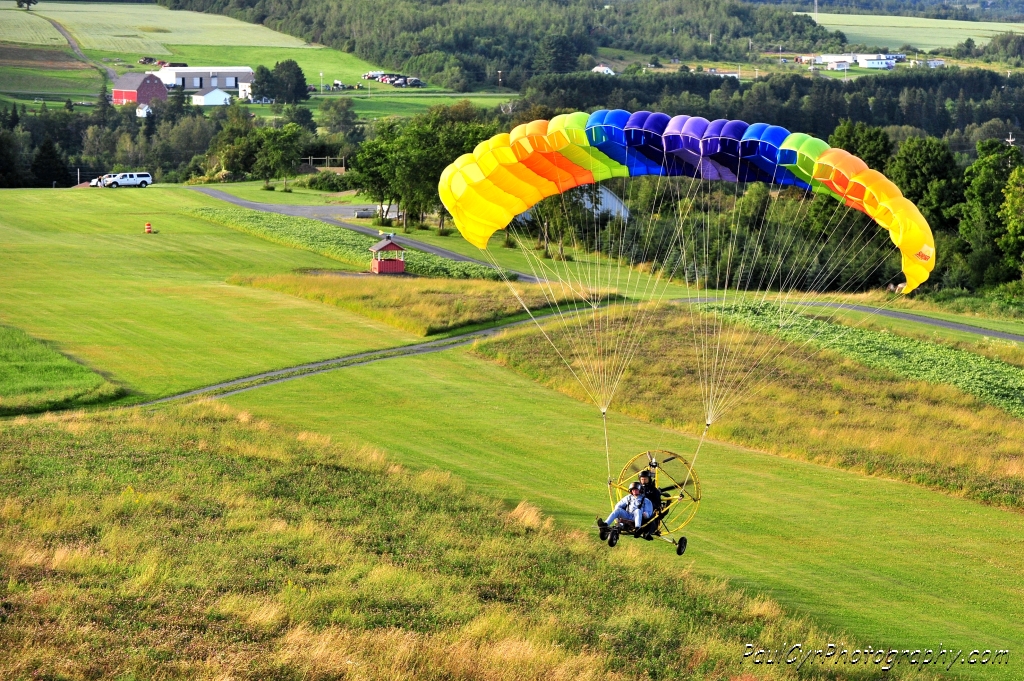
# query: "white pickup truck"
128, 180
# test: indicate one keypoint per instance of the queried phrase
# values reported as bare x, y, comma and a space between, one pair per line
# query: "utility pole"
815, 11
499, 78
321, 82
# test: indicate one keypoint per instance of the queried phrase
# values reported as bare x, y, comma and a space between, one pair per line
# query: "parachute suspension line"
693, 461
608, 456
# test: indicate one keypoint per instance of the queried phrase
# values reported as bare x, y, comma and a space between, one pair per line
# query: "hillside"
462, 44
205, 542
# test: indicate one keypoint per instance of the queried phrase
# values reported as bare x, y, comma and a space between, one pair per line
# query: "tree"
1012, 214
49, 166
27, 4
374, 171
289, 82
556, 54
982, 226
277, 151
300, 116
263, 83
871, 144
926, 172
339, 116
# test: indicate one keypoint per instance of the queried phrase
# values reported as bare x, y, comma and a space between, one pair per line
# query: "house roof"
385, 244
207, 69
129, 81
209, 90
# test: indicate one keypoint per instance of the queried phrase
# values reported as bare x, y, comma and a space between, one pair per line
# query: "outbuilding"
211, 96
138, 88
388, 257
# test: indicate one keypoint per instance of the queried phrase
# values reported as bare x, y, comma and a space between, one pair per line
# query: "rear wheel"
681, 546
142, 184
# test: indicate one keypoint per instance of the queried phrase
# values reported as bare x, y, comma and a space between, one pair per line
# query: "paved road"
893, 314
335, 215
81, 55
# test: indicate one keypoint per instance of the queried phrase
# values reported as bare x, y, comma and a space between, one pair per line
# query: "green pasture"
28, 28
154, 311
894, 31
888, 562
146, 28
71, 82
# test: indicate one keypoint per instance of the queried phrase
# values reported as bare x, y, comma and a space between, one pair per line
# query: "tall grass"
204, 542
824, 407
421, 306
34, 377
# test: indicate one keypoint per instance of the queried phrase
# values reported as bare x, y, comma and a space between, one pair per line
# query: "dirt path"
111, 74
335, 215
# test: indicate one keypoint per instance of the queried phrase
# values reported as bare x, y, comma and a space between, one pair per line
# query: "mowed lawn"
891, 563
154, 311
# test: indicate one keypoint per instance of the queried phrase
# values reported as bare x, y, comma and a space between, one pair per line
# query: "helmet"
635, 486
645, 474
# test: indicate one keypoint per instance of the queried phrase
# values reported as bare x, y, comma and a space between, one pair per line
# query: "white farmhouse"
875, 61
603, 68
202, 77
211, 96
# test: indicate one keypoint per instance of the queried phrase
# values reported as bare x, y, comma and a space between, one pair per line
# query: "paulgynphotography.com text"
884, 658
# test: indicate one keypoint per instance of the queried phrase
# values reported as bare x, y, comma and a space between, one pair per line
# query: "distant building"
245, 90
838, 65
143, 111
139, 88
603, 68
875, 61
936, 63
202, 77
211, 96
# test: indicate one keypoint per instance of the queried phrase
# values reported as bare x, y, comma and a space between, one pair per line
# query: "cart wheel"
681, 546
603, 533
613, 538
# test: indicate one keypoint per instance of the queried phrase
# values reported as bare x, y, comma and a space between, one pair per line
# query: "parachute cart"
680, 497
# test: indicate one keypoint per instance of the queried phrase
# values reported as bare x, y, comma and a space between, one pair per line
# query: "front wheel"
113, 185
681, 546
603, 533
142, 184
613, 538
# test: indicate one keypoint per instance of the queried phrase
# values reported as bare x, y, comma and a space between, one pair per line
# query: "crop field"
876, 30
84, 82
28, 28
145, 29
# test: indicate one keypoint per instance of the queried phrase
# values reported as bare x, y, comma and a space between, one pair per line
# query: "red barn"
138, 88
388, 257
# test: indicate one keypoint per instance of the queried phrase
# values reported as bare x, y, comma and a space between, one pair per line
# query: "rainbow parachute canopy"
509, 173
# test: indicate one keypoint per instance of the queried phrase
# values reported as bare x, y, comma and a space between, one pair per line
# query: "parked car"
100, 181
128, 180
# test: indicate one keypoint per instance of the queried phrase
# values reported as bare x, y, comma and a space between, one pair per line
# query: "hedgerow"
337, 243
987, 379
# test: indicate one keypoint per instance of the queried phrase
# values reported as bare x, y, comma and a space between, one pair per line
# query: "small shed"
388, 257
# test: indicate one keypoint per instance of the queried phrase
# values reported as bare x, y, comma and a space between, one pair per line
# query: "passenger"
652, 494
634, 507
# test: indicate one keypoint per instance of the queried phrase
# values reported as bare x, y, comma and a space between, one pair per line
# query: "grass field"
34, 378
816, 406
206, 543
421, 306
145, 29
886, 561
155, 311
893, 31
83, 82
28, 28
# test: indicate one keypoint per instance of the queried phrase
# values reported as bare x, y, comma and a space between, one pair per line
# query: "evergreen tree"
289, 82
49, 166
871, 144
926, 172
556, 54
